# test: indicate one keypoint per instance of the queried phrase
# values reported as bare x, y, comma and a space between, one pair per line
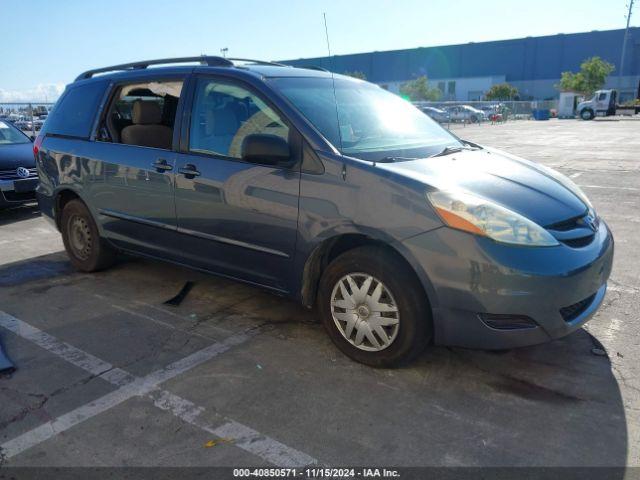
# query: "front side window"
224, 113
143, 114
367, 122
11, 135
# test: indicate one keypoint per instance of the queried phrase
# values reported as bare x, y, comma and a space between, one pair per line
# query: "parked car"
437, 114
18, 176
399, 232
24, 125
466, 113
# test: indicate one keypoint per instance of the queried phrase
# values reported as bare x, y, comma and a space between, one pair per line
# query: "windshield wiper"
394, 159
450, 150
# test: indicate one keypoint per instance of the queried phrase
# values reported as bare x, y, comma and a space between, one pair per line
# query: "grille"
565, 225
575, 232
574, 311
12, 175
579, 242
19, 196
507, 322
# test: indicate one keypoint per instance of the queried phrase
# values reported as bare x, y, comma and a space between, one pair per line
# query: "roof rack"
203, 59
258, 62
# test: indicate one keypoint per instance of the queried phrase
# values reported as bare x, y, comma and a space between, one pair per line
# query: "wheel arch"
331, 248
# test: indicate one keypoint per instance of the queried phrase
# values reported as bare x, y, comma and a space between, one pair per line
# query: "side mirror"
266, 149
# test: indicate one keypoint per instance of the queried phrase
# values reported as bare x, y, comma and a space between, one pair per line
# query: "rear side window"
142, 114
74, 113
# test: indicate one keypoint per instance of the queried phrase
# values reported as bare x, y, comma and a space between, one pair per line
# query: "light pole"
224, 50
624, 44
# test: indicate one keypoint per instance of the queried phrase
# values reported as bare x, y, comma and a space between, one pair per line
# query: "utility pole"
224, 50
624, 44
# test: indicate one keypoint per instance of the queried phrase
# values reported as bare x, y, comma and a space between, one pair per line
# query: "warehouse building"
465, 72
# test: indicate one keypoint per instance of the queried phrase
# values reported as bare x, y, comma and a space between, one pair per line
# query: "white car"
466, 113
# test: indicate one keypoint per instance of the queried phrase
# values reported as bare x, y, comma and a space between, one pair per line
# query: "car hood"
16, 155
530, 189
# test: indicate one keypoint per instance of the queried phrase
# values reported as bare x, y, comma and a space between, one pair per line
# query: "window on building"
451, 88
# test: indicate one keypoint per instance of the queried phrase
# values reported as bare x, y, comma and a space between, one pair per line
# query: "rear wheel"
374, 308
586, 114
87, 251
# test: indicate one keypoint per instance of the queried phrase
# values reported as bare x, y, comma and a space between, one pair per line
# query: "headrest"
146, 113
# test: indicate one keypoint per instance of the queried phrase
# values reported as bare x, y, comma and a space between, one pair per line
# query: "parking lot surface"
108, 375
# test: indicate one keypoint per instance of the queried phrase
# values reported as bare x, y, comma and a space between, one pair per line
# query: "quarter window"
224, 113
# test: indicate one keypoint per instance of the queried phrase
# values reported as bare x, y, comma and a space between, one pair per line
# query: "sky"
45, 44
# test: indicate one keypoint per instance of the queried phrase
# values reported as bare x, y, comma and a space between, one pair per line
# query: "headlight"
479, 216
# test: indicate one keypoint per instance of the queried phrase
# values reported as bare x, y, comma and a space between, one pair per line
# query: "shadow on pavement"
555, 404
18, 214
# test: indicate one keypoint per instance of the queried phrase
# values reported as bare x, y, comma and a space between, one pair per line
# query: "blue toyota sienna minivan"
326, 189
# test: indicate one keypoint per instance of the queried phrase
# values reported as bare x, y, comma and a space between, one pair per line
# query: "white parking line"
633, 189
69, 353
243, 437
575, 175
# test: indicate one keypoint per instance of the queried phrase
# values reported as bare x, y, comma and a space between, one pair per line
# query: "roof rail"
314, 67
204, 59
258, 62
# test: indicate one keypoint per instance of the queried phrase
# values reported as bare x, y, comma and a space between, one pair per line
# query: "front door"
235, 217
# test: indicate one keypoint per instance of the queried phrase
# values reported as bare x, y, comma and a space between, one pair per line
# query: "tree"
356, 74
591, 77
502, 91
419, 89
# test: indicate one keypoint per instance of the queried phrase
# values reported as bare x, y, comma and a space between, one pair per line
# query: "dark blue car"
326, 189
18, 175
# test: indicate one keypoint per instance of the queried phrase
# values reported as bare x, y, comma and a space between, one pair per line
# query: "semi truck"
604, 103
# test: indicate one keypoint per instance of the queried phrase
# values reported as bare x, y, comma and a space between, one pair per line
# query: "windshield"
10, 134
368, 122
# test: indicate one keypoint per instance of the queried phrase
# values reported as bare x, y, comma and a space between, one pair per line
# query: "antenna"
333, 80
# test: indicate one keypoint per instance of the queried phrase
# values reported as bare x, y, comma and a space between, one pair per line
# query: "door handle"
189, 171
161, 165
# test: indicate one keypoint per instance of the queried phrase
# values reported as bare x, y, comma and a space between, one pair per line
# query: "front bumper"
10, 197
557, 288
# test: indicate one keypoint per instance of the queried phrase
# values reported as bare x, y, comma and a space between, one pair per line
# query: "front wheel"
87, 251
586, 114
374, 308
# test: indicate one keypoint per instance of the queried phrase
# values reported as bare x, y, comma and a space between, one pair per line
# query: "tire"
406, 338
586, 114
474, 119
87, 251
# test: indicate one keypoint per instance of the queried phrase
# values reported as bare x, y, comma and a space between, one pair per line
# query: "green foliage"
502, 91
591, 77
419, 89
356, 74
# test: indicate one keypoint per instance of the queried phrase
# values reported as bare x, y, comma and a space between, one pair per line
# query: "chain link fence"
489, 111
27, 116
